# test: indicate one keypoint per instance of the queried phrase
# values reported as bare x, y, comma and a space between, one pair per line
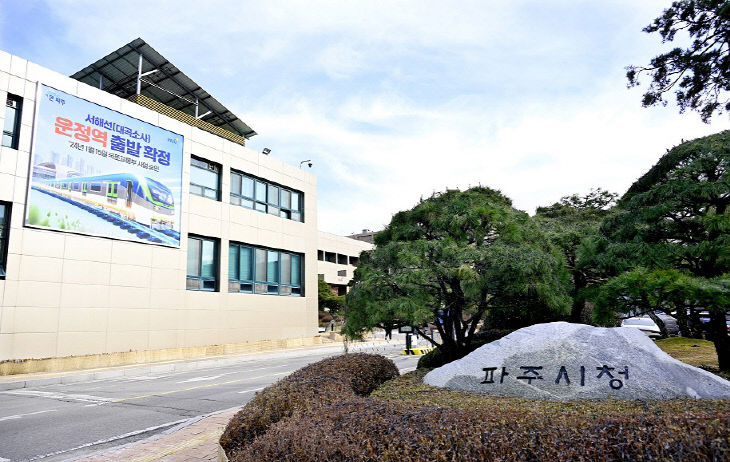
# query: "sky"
395, 100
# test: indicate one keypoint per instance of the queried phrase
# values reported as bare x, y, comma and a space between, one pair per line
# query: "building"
366, 236
134, 218
337, 258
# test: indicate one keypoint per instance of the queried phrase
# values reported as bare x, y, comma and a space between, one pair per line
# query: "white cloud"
396, 99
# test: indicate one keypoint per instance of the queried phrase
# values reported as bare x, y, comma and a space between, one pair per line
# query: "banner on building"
97, 171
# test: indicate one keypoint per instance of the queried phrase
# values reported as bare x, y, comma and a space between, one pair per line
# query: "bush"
406, 420
434, 358
314, 386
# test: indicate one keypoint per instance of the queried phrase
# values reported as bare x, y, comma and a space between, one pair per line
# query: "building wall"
338, 245
67, 294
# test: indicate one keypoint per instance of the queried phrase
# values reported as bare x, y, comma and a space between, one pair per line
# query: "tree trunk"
718, 335
658, 321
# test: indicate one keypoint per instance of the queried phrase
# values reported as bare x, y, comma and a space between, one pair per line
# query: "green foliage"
672, 233
453, 260
699, 75
569, 224
330, 380
326, 299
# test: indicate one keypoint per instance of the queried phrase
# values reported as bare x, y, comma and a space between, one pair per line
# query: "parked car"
645, 324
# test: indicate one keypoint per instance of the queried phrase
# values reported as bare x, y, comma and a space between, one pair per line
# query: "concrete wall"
68, 294
343, 246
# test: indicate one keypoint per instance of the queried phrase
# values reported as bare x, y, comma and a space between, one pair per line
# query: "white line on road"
250, 390
203, 378
109, 440
60, 396
20, 416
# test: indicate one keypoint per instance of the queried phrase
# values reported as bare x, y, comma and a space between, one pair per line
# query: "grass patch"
695, 352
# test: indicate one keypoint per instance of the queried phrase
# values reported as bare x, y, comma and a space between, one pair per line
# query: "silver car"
645, 324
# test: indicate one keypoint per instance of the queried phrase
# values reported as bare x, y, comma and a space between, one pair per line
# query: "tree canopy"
699, 75
675, 217
569, 223
455, 259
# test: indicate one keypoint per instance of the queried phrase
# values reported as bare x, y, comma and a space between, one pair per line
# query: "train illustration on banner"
129, 196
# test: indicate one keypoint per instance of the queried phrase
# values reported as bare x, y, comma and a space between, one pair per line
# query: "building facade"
337, 258
238, 263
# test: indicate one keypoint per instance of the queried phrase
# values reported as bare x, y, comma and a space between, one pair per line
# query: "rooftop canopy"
159, 79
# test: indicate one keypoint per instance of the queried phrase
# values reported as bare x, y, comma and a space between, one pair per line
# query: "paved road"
67, 421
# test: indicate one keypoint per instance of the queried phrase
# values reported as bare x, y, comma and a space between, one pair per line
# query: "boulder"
562, 361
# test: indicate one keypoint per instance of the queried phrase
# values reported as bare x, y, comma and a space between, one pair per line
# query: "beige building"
238, 263
337, 258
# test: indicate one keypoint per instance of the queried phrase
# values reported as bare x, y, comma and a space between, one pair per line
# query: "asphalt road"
67, 421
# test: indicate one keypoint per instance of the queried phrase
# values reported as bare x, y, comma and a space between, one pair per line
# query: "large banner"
97, 171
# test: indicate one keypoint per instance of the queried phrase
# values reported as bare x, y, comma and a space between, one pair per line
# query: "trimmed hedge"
434, 358
313, 386
406, 420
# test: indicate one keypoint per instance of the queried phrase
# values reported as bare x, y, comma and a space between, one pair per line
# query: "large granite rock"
563, 361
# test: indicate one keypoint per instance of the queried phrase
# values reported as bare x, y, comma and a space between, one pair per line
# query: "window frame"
264, 284
218, 171
267, 204
15, 134
202, 280
5, 237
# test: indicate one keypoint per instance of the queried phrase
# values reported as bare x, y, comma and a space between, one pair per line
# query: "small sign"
405, 330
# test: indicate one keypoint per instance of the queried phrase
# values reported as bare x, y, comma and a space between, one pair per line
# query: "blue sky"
395, 100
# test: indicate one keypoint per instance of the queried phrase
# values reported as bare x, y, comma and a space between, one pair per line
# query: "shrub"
330, 380
406, 420
435, 358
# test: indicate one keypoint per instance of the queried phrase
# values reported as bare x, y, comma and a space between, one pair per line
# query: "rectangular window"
240, 268
202, 267
11, 128
265, 197
320, 255
4, 234
205, 178
341, 259
330, 257
354, 261
263, 271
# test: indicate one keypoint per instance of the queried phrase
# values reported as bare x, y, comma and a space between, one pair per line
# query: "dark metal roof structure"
117, 73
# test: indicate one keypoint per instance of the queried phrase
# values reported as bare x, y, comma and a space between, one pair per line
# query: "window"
4, 233
330, 257
265, 197
202, 264
205, 178
354, 261
320, 255
342, 273
240, 268
11, 128
341, 259
264, 271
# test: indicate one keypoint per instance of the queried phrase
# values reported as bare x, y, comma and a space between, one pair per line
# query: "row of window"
251, 269
246, 191
11, 127
4, 231
338, 258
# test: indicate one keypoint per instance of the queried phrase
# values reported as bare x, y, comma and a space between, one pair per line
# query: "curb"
177, 366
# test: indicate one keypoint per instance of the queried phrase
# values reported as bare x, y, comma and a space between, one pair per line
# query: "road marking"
60, 396
163, 393
20, 416
248, 391
203, 378
109, 440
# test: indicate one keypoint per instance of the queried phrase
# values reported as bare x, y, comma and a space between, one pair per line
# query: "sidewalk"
193, 442
40, 379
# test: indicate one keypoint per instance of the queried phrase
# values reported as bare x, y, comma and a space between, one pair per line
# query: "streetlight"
308, 162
